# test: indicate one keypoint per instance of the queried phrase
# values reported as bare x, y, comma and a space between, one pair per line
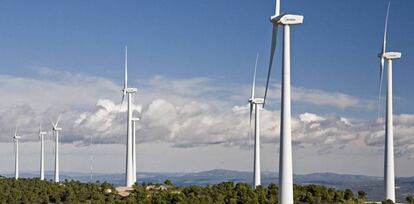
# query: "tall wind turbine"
42, 162
134, 148
16, 138
129, 174
285, 156
256, 104
389, 176
56, 130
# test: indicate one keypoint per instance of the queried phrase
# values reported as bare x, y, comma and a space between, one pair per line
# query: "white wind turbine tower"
16, 138
134, 148
389, 176
42, 157
56, 130
129, 174
285, 156
256, 104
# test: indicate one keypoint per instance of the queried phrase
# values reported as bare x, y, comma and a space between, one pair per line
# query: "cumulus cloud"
403, 135
184, 113
199, 124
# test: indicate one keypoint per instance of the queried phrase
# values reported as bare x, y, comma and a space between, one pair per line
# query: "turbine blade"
40, 130
54, 146
251, 111
53, 124
125, 77
272, 53
380, 84
126, 69
250, 120
384, 42
254, 77
14, 147
277, 8
383, 50
123, 98
57, 122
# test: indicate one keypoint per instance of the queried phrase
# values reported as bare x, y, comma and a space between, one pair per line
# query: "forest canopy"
37, 191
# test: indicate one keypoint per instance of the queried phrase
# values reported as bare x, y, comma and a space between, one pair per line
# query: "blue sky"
334, 51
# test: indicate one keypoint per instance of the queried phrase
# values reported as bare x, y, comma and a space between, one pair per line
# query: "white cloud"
60, 90
334, 99
184, 113
321, 98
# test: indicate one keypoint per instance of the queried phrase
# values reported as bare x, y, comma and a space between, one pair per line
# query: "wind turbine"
56, 130
256, 104
16, 138
42, 163
129, 174
134, 148
389, 176
285, 156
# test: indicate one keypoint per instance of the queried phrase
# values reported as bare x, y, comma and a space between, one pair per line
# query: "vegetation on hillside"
37, 191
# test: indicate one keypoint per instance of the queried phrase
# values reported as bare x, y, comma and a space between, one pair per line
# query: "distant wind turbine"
134, 148
16, 138
129, 174
256, 104
389, 176
285, 156
42, 162
56, 130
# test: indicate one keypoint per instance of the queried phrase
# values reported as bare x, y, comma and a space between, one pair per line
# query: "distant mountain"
370, 184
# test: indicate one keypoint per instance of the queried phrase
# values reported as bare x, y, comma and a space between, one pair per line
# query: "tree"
168, 182
245, 193
348, 195
387, 202
362, 195
261, 194
410, 199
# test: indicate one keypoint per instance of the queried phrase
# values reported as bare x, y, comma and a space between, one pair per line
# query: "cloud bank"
184, 113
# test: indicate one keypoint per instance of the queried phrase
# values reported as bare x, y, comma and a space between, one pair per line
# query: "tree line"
38, 191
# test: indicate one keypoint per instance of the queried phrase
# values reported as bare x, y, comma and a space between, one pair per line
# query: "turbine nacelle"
130, 90
135, 119
41, 133
287, 19
392, 55
16, 135
256, 100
